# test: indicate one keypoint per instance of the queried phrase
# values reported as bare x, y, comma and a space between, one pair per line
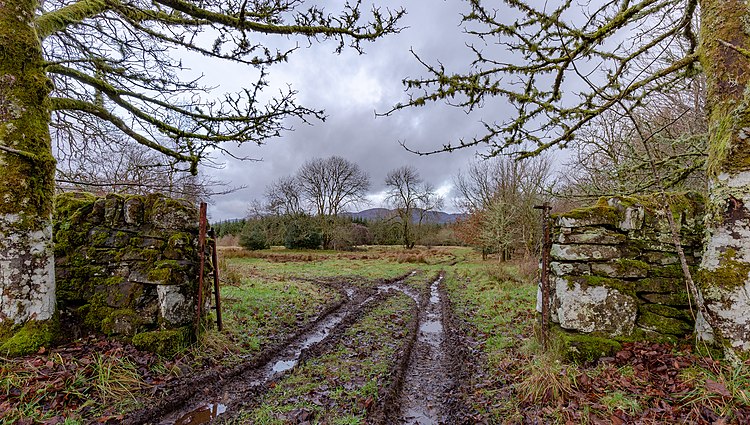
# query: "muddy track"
334, 338
176, 396
460, 365
202, 398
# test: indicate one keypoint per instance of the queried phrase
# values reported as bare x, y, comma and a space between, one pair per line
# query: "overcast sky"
351, 88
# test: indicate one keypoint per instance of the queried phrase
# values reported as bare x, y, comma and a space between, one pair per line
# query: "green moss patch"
165, 342
29, 337
585, 348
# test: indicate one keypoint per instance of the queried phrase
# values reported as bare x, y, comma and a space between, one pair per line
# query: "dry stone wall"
128, 266
615, 274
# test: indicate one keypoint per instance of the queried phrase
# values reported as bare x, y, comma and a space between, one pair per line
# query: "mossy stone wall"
126, 265
615, 274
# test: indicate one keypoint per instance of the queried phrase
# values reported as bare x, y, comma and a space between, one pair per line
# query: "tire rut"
427, 377
206, 396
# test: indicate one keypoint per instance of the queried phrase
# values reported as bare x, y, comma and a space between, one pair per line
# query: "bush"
253, 237
302, 233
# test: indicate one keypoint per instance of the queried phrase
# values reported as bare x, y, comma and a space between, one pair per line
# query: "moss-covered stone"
677, 299
164, 342
660, 285
663, 325
597, 215
622, 286
730, 274
19, 340
585, 347
621, 268
667, 311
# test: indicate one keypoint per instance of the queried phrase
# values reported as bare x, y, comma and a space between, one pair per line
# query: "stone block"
585, 252
569, 269
594, 309
113, 210
660, 285
591, 235
176, 307
621, 268
663, 325
667, 311
133, 210
599, 215
676, 299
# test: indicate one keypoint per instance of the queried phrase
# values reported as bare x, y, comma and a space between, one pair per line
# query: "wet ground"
416, 397
427, 378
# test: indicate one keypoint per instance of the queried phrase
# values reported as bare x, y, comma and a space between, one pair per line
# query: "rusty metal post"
215, 263
201, 266
546, 245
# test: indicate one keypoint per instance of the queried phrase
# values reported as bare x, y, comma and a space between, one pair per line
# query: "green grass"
260, 311
341, 385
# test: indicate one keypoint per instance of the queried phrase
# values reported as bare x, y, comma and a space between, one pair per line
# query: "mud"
422, 399
219, 393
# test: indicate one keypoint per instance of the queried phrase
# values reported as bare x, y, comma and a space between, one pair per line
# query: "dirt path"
426, 378
417, 398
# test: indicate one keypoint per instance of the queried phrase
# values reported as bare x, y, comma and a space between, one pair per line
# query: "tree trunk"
27, 284
724, 276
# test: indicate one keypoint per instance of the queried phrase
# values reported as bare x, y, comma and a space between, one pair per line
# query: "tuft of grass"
617, 400
721, 388
547, 379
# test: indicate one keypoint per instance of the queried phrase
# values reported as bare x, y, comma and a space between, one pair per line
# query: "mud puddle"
427, 378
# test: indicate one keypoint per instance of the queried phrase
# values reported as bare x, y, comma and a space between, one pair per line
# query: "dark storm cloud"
351, 88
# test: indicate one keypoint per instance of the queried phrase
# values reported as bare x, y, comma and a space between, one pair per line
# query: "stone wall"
615, 274
128, 266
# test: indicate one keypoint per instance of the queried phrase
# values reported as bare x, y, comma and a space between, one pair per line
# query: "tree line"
307, 210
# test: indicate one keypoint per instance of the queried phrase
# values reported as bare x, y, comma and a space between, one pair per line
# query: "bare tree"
502, 193
413, 198
283, 196
611, 159
329, 185
110, 61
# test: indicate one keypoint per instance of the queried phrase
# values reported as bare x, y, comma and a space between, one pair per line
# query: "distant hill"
381, 213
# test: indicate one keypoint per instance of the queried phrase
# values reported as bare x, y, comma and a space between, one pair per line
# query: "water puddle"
431, 326
202, 415
291, 355
286, 360
398, 286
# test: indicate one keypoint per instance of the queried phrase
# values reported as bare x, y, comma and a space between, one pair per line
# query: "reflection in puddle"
432, 326
290, 358
283, 365
202, 415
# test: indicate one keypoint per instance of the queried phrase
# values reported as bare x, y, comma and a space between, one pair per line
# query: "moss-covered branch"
57, 20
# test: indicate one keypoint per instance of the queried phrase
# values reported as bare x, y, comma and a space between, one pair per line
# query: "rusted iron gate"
203, 232
544, 278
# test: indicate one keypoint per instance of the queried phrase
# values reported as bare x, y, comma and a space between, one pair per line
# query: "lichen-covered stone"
594, 309
569, 269
584, 252
591, 235
599, 215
